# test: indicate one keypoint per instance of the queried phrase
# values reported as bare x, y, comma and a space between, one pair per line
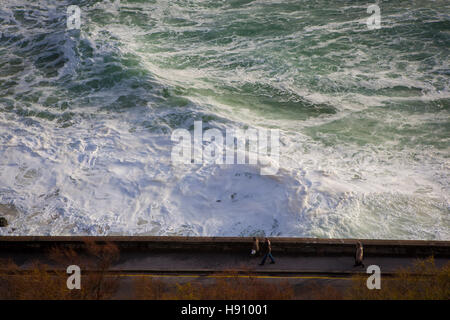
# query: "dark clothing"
266, 247
358, 263
265, 257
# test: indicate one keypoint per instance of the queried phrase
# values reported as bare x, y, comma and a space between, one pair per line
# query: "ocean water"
86, 117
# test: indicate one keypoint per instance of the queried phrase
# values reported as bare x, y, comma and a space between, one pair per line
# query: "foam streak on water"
86, 117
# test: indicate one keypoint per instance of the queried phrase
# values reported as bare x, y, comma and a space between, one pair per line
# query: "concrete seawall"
285, 246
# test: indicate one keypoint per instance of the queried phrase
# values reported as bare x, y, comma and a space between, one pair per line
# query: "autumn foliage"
230, 285
44, 282
422, 281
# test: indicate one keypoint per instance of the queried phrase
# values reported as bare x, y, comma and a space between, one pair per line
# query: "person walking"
267, 251
255, 248
359, 255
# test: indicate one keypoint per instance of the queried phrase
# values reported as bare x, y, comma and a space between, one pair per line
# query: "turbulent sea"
86, 117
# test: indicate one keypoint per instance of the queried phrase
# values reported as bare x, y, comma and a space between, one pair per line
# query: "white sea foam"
107, 173
99, 178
